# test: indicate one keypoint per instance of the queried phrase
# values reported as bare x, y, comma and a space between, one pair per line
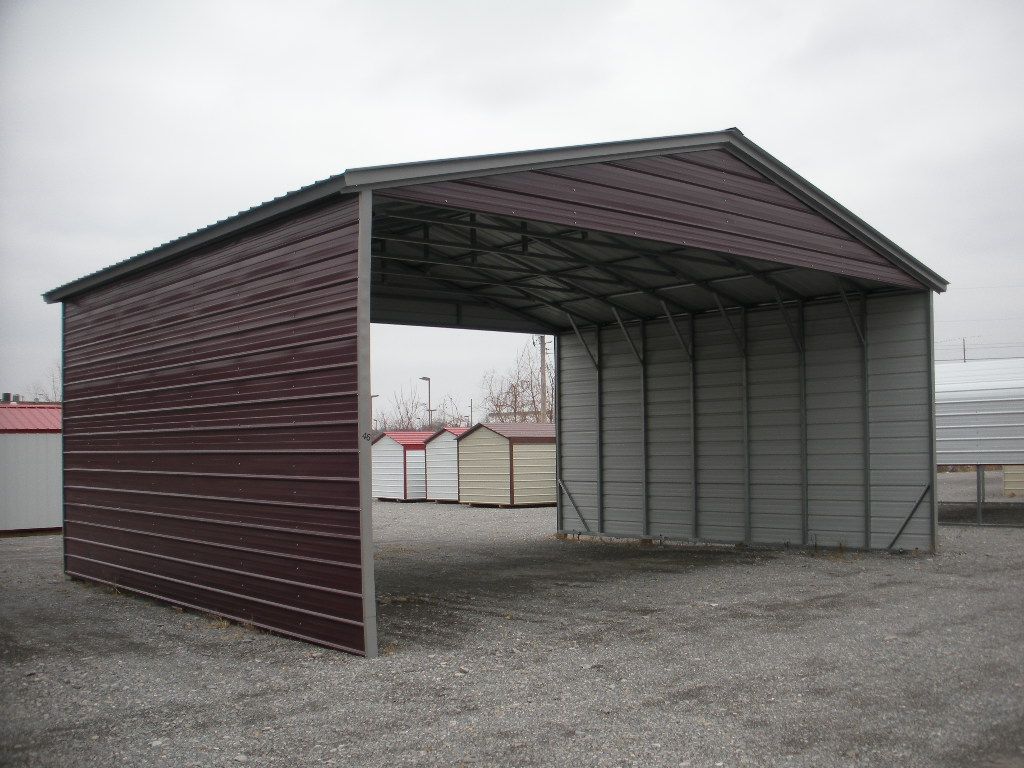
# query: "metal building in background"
399, 465
442, 457
30, 472
740, 358
507, 465
979, 411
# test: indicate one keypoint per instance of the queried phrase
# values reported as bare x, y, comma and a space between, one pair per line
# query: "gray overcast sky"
126, 124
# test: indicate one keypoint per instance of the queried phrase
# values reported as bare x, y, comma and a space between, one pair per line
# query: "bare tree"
519, 394
448, 414
404, 412
50, 390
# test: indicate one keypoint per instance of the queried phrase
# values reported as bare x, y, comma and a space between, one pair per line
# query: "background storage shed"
399, 465
507, 464
30, 467
442, 455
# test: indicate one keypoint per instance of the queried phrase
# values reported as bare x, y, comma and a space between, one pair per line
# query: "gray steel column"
805, 517
979, 473
747, 519
643, 426
558, 431
600, 433
866, 406
694, 487
931, 423
365, 421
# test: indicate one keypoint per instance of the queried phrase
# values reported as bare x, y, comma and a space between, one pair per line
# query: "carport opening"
616, 303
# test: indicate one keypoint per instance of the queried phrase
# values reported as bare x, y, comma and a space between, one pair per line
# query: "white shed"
30, 467
507, 465
442, 455
399, 465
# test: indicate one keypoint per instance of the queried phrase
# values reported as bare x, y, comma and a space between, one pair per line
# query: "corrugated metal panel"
720, 447
677, 199
622, 451
30, 481
29, 417
534, 473
751, 447
980, 411
578, 418
211, 443
899, 381
670, 501
442, 457
773, 365
835, 427
388, 469
484, 471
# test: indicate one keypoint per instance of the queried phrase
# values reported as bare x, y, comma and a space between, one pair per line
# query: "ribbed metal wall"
211, 441
761, 384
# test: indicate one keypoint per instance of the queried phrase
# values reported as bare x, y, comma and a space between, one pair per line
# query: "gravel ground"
504, 646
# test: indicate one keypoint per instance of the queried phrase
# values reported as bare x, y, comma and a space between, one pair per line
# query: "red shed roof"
410, 439
30, 417
521, 432
451, 430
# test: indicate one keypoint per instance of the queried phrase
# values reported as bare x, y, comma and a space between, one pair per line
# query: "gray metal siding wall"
670, 502
578, 431
767, 467
900, 405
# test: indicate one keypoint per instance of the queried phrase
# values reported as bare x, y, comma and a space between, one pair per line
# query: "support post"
805, 516
694, 485
979, 473
866, 406
747, 512
557, 418
365, 425
643, 428
600, 432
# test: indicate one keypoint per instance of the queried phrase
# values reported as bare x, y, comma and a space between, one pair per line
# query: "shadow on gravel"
432, 596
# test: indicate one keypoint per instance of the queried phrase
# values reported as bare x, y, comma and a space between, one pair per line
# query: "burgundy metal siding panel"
701, 199
211, 454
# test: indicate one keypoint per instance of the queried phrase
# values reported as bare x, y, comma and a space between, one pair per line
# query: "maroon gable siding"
707, 199
210, 435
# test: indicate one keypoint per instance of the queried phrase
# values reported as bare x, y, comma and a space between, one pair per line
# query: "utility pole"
965, 348
430, 411
544, 378
470, 413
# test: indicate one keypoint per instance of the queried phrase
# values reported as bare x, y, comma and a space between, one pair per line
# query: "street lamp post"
430, 411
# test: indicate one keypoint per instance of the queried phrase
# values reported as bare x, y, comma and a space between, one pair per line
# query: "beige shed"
507, 465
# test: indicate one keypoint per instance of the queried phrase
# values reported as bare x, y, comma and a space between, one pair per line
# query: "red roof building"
30, 417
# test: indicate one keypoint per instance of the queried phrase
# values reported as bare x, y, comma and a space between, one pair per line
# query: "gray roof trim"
385, 176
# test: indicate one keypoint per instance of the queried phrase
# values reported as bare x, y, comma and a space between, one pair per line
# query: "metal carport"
739, 358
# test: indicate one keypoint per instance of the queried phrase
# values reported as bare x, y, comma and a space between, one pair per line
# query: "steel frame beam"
487, 299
